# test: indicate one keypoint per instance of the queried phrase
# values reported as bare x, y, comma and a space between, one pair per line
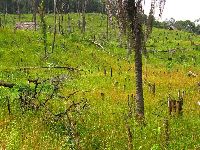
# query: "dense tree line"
187, 25
25, 6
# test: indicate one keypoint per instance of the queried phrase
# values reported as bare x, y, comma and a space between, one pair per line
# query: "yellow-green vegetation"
89, 108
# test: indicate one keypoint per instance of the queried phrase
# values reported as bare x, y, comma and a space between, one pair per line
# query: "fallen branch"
70, 108
162, 51
50, 67
191, 74
7, 84
67, 97
97, 44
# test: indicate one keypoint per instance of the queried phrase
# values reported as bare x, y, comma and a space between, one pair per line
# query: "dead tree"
0, 23
110, 6
60, 9
121, 21
84, 4
55, 26
34, 10
5, 12
18, 10
44, 27
134, 12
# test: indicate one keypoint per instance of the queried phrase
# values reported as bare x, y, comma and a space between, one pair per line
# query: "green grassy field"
83, 106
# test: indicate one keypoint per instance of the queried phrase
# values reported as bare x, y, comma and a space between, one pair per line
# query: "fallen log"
162, 51
26, 26
7, 84
50, 67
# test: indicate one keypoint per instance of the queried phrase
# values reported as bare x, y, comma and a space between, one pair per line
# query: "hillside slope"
82, 92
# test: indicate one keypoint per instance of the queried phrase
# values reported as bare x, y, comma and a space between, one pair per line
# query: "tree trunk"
0, 22
34, 14
138, 72
107, 27
84, 2
5, 13
69, 23
130, 43
55, 22
133, 10
18, 10
6, 7
44, 26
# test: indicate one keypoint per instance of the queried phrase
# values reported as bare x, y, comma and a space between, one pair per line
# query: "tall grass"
101, 121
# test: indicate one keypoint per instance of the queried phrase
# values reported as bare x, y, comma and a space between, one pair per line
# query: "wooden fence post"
111, 72
154, 89
102, 96
169, 105
179, 103
133, 100
173, 102
105, 71
129, 107
166, 132
175, 106
8, 105
124, 87
130, 136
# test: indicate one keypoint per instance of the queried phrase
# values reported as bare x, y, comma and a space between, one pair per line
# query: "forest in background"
92, 6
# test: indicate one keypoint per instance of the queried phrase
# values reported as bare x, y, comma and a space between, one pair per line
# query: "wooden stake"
8, 105
169, 105
133, 101
124, 88
154, 89
179, 103
166, 132
105, 71
173, 102
130, 137
111, 72
102, 96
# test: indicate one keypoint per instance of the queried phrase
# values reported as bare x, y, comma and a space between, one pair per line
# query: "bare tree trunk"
18, 10
84, 2
121, 22
138, 72
69, 23
107, 27
6, 8
133, 10
59, 23
48, 11
55, 26
44, 26
130, 43
5, 13
0, 22
109, 10
34, 14
62, 23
